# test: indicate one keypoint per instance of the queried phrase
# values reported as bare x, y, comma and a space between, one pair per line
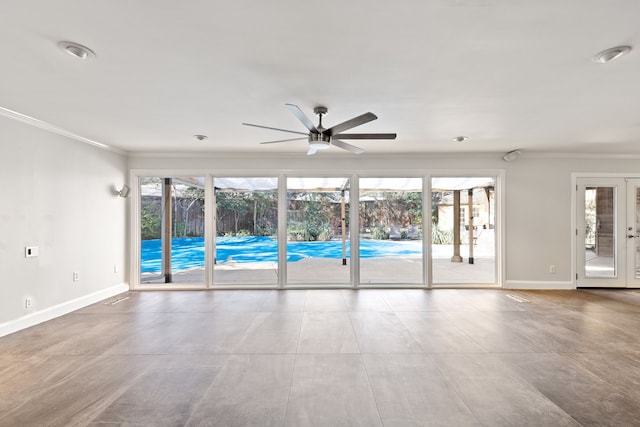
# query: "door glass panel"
391, 230
463, 230
246, 231
637, 232
600, 232
172, 230
318, 230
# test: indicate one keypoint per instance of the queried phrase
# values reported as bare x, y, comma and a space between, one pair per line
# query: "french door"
608, 232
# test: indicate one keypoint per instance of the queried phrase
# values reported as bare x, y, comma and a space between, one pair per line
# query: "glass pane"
391, 230
172, 230
463, 229
600, 231
637, 231
246, 231
318, 230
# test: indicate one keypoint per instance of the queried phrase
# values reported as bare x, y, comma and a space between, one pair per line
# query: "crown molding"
282, 155
14, 115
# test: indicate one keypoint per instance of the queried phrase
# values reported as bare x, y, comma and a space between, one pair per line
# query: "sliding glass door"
318, 231
246, 225
296, 231
463, 238
172, 248
390, 211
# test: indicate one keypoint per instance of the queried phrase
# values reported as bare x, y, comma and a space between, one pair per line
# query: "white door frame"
626, 248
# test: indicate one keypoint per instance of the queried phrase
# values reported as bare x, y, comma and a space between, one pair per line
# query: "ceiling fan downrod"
320, 111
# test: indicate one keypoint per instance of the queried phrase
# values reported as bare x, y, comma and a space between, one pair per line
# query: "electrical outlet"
116, 269
76, 276
552, 269
30, 251
27, 302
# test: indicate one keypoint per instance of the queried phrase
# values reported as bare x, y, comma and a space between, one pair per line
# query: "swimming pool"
189, 252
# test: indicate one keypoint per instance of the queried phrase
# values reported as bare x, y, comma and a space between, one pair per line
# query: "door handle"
631, 236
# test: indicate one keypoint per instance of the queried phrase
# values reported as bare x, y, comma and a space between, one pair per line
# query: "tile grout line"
295, 359
366, 371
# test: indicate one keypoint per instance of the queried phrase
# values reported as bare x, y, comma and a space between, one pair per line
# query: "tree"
413, 206
235, 202
265, 218
150, 220
191, 196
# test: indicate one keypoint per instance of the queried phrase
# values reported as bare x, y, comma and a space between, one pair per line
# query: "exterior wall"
58, 194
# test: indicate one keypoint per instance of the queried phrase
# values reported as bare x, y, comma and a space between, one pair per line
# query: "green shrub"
440, 236
379, 233
301, 231
179, 229
325, 232
266, 231
150, 221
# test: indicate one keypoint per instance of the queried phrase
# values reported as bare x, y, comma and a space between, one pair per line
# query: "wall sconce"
511, 155
124, 192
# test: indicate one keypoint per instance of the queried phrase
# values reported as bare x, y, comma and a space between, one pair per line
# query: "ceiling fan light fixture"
200, 137
319, 145
610, 54
319, 141
76, 50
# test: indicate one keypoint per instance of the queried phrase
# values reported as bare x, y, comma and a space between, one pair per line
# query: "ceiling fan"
320, 138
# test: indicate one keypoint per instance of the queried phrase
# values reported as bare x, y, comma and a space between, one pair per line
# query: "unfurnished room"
335, 213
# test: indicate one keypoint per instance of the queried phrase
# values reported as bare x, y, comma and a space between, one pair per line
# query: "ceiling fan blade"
348, 147
281, 130
282, 140
365, 136
311, 151
302, 117
356, 121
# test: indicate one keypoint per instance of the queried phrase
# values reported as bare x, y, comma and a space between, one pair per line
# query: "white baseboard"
535, 285
33, 319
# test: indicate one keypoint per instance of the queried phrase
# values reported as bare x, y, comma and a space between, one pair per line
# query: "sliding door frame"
354, 225
499, 245
135, 228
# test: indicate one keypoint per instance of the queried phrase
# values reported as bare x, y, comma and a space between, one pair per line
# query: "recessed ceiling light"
76, 50
611, 54
460, 138
512, 155
200, 137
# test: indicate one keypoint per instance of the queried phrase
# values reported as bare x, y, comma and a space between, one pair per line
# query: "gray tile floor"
330, 358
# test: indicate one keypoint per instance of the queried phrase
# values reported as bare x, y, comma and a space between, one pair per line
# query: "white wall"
57, 194
537, 196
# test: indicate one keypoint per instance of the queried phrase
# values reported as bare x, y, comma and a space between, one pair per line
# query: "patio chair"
394, 232
413, 233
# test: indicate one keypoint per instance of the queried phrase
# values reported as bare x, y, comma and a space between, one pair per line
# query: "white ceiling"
509, 74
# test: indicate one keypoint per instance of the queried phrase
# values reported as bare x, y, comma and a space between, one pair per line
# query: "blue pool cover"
189, 252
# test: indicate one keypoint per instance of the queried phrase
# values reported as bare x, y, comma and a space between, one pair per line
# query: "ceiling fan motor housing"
319, 141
